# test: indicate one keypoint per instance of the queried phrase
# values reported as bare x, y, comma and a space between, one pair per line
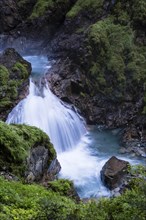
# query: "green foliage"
10, 81
80, 5
21, 3
20, 69
139, 12
15, 144
61, 186
130, 11
19, 201
117, 62
6, 90
4, 75
42, 6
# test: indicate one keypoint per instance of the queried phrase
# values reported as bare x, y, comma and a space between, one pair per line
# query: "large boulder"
27, 152
14, 80
113, 172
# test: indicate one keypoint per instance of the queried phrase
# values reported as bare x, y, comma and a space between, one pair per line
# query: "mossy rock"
94, 6
130, 11
14, 74
16, 144
115, 60
43, 6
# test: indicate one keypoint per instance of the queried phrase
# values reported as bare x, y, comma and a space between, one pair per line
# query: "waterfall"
81, 154
44, 110
66, 129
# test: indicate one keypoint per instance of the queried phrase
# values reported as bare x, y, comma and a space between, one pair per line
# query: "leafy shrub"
25, 202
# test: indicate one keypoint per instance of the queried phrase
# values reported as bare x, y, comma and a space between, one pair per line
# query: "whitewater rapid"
81, 153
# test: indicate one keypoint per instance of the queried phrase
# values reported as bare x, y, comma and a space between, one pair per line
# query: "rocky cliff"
14, 79
99, 49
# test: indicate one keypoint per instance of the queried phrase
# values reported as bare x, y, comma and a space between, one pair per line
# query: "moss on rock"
117, 62
14, 74
82, 5
21, 69
16, 142
42, 6
130, 11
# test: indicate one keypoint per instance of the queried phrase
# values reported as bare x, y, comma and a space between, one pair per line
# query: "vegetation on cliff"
117, 64
105, 41
14, 74
40, 8
16, 142
85, 5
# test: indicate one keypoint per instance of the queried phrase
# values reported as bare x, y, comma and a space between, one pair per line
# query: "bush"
25, 202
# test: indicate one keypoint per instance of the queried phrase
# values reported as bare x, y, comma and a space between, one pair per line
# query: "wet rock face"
9, 15
27, 152
107, 83
53, 169
70, 83
113, 172
38, 165
37, 162
133, 140
14, 75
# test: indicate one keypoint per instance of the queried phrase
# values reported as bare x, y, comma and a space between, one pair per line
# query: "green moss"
4, 75
21, 3
11, 81
115, 60
5, 103
138, 12
21, 70
80, 5
16, 142
130, 11
83, 94
40, 8
98, 74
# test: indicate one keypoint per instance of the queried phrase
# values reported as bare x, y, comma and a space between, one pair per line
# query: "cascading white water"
80, 153
44, 110
66, 130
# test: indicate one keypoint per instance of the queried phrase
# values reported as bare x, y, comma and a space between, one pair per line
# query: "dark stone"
54, 169
9, 15
133, 140
113, 172
38, 163
15, 72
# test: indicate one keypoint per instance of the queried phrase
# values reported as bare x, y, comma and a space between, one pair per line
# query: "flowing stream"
81, 151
